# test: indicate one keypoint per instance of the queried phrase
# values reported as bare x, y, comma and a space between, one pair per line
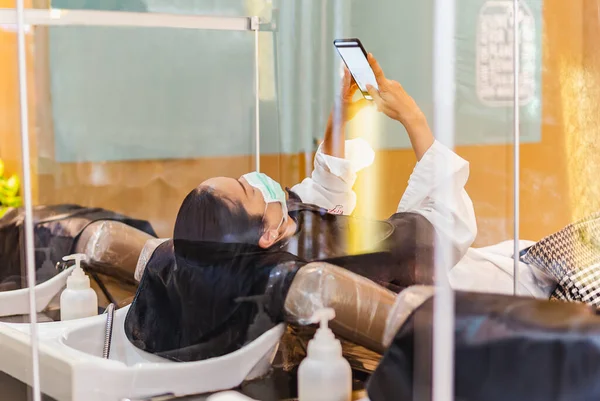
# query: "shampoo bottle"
324, 375
78, 300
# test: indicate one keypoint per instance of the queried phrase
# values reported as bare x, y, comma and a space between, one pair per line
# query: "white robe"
487, 269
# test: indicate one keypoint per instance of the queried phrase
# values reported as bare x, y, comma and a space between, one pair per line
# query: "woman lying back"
238, 243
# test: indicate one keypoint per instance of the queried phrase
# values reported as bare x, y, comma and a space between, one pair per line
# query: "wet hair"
209, 217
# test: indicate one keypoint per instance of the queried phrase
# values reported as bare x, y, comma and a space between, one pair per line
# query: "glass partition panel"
14, 297
142, 137
128, 121
559, 174
134, 114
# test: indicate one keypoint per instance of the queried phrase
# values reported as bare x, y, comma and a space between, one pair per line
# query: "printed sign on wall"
484, 70
495, 54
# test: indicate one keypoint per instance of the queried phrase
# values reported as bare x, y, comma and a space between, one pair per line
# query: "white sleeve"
454, 218
331, 182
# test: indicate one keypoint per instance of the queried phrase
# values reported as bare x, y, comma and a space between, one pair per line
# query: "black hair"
208, 217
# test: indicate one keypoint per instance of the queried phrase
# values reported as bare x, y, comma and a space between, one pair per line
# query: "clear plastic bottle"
324, 375
78, 300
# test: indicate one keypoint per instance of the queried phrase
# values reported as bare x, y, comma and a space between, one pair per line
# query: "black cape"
201, 300
506, 348
56, 230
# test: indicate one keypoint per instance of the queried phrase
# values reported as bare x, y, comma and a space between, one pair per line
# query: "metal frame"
517, 144
255, 26
60, 17
443, 343
306, 77
27, 195
23, 19
443, 125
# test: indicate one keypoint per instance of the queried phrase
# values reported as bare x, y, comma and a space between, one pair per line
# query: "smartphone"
354, 56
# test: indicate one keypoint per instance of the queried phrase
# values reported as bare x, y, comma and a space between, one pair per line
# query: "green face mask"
270, 190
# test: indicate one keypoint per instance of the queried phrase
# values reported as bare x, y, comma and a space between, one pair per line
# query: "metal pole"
58, 17
256, 27
28, 199
443, 95
517, 141
339, 31
325, 50
306, 75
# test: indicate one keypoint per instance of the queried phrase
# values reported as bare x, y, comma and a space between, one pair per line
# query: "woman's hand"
392, 99
350, 108
334, 143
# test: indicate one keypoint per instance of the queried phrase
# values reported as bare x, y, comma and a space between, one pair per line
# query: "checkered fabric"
572, 256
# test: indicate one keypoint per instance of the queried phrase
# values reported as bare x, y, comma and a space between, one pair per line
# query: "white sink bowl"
72, 367
17, 302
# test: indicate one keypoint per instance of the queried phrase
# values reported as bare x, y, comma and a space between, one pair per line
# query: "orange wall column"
10, 129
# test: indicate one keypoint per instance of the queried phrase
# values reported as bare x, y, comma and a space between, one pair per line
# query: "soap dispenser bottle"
324, 375
78, 300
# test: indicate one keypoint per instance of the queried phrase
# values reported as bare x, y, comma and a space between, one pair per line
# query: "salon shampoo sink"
16, 302
72, 367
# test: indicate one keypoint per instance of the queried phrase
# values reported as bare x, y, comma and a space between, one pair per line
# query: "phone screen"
358, 65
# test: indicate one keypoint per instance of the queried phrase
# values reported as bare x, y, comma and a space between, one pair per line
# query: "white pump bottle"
78, 300
324, 375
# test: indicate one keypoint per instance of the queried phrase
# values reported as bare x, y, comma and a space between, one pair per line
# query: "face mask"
270, 190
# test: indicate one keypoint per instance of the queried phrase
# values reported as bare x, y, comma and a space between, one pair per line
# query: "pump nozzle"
324, 345
77, 280
323, 316
78, 257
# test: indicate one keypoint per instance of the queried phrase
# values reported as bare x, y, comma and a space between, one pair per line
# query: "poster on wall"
495, 54
485, 66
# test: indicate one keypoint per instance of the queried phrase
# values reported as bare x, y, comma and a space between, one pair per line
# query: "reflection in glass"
130, 120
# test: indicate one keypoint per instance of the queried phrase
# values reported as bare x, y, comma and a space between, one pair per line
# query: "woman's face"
240, 192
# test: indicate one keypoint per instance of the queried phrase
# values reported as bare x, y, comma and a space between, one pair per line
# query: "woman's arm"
438, 194
334, 138
330, 184
335, 132
392, 99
